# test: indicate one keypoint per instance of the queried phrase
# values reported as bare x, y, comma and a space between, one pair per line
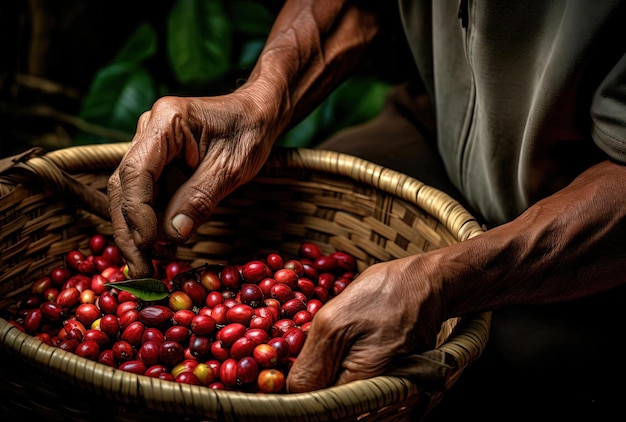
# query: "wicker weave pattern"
51, 202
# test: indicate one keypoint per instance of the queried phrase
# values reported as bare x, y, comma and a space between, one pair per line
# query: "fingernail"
183, 225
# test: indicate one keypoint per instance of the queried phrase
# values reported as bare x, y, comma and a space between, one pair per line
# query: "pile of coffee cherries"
234, 326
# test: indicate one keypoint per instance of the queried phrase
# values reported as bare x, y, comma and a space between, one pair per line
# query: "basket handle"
47, 169
434, 370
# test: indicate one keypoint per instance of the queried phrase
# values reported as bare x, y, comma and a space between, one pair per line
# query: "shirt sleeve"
608, 113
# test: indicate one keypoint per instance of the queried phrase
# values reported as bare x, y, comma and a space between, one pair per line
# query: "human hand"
392, 310
187, 155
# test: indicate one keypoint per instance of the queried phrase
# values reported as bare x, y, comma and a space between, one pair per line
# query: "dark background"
51, 51
535, 367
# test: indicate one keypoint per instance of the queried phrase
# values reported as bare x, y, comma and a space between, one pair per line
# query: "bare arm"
567, 246
224, 141
312, 47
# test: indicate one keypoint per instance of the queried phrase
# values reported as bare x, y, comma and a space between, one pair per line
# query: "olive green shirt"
527, 94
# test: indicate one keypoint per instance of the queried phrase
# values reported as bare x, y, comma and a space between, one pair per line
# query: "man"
522, 103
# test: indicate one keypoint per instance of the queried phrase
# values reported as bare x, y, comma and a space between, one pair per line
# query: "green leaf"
303, 134
358, 100
199, 35
355, 101
250, 51
119, 94
141, 46
146, 289
251, 17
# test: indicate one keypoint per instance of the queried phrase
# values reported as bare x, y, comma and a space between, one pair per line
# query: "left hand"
392, 310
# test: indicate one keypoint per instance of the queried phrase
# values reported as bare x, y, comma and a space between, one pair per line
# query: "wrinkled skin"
219, 143
190, 153
216, 145
391, 310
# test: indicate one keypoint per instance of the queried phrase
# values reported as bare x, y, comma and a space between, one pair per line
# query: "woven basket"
52, 202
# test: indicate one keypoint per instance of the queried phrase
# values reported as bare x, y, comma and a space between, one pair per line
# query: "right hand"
392, 310
219, 143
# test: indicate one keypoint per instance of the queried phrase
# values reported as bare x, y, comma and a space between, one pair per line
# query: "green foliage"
146, 289
199, 35
207, 44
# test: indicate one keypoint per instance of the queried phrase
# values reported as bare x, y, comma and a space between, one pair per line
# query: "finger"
132, 195
363, 363
136, 259
318, 361
221, 171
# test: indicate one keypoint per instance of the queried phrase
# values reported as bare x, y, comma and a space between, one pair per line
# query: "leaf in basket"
147, 289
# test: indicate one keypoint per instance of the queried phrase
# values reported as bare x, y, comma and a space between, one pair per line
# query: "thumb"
192, 204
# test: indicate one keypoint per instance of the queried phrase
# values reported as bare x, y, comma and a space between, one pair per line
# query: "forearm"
313, 46
567, 246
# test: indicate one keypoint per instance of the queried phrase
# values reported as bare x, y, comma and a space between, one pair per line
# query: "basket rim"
372, 394
461, 223
460, 347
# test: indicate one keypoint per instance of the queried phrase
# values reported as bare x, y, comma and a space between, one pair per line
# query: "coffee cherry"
295, 265
240, 313
261, 323
219, 351
178, 333
265, 355
41, 285
239, 328
33, 320
252, 295
107, 357
136, 366
97, 336
203, 325
213, 298
149, 352
204, 373
257, 335
231, 278
228, 372
281, 292
196, 291
155, 371
344, 260
153, 334
242, 347
88, 349
112, 254
255, 271
200, 346
180, 300
73, 259
247, 370
291, 307
97, 243
52, 311
287, 276
271, 381
122, 351
68, 298
274, 261
187, 378
133, 333
156, 316
170, 352
60, 276
107, 303
230, 333
295, 338
174, 268
309, 250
